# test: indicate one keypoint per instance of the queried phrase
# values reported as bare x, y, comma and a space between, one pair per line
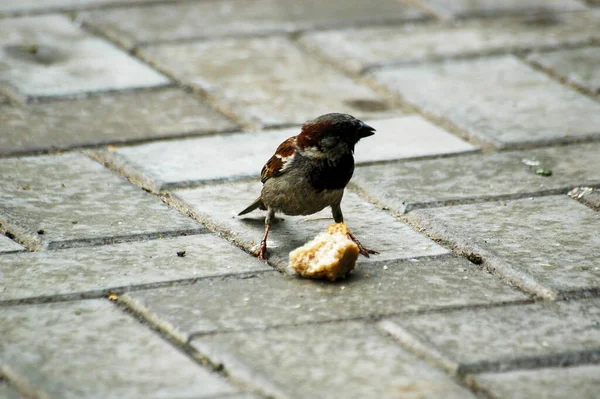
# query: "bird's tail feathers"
256, 204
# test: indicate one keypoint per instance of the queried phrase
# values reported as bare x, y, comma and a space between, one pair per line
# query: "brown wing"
277, 164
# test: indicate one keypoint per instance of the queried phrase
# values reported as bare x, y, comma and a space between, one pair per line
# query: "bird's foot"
363, 250
261, 252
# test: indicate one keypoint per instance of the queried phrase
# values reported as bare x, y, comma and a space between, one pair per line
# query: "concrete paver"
374, 227
361, 48
50, 56
171, 22
6, 392
97, 270
112, 118
9, 6
8, 245
504, 338
350, 360
555, 383
372, 290
93, 349
163, 165
528, 107
478, 8
579, 66
279, 84
61, 200
405, 186
546, 245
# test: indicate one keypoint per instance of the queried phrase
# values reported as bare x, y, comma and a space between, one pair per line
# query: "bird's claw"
261, 252
361, 249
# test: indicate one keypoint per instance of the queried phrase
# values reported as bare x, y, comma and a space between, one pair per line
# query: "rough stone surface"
92, 349
373, 290
579, 66
279, 84
361, 48
470, 8
97, 270
112, 118
6, 392
374, 227
8, 6
184, 162
592, 199
555, 383
8, 245
56, 200
405, 186
548, 245
527, 107
497, 339
50, 56
349, 360
131, 26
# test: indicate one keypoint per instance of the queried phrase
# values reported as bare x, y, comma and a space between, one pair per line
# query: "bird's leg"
336, 210
261, 253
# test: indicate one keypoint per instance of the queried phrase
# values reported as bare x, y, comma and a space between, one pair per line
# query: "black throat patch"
325, 175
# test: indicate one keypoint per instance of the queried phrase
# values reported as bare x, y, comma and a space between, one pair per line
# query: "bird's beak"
365, 130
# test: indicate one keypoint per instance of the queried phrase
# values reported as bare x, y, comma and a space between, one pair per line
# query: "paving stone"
374, 227
579, 65
110, 118
92, 349
373, 290
360, 48
8, 245
405, 186
278, 84
6, 392
349, 360
508, 337
168, 164
8, 6
552, 383
547, 245
586, 195
50, 56
172, 22
470, 8
60, 200
592, 199
111, 268
526, 107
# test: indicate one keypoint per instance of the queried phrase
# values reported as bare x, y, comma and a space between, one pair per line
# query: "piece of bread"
330, 255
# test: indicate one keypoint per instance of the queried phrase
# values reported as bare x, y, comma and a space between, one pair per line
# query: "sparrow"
309, 172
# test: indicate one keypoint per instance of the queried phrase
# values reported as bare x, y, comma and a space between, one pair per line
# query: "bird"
310, 171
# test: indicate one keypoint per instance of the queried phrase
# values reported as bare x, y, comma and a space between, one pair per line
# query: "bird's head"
332, 135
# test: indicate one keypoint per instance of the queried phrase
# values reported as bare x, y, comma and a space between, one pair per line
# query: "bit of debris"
41, 231
530, 162
111, 148
367, 275
385, 267
543, 172
181, 254
113, 297
580, 192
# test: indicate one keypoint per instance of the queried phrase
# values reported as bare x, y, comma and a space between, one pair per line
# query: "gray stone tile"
113, 268
406, 186
347, 360
8, 245
470, 8
168, 164
49, 56
374, 227
547, 245
508, 337
360, 48
92, 349
58, 200
108, 118
9, 6
498, 100
278, 83
131, 26
586, 195
579, 66
372, 290
6, 392
551, 383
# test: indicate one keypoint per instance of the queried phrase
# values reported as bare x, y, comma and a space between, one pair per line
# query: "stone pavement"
132, 132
